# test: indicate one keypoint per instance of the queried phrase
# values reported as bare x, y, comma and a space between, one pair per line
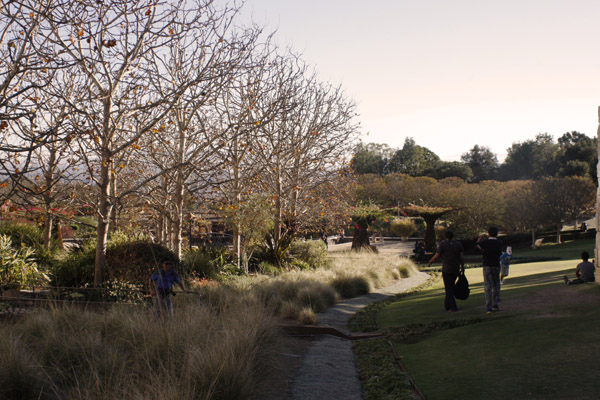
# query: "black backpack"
461, 289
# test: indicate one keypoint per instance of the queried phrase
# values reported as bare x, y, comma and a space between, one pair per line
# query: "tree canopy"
572, 154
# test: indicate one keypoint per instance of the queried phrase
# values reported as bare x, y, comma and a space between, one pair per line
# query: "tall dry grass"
202, 353
300, 294
218, 346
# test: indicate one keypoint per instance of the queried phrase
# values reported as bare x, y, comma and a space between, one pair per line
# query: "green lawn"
544, 344
566, 251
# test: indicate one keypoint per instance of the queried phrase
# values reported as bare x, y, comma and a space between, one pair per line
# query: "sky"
451, 73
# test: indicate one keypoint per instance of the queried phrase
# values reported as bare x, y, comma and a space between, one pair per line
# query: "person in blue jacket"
161, 288
505, 258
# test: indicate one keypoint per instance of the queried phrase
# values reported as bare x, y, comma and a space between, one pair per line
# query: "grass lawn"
566, 251
544, 344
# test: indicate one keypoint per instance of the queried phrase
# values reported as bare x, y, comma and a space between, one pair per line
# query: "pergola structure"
430, 215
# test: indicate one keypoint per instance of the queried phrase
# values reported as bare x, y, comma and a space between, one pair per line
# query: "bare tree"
190, 139
26, 70
253, 100
114, 47
50, 165
306, 145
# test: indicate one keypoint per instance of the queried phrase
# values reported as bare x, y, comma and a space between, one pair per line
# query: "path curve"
329, 369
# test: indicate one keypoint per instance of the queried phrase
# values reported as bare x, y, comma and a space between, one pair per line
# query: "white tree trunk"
597, 249
178, 217
104, 212
48, 229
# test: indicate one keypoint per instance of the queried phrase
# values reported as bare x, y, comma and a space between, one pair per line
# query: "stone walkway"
329, 370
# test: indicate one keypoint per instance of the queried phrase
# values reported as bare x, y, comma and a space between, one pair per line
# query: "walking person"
161, 288
453, 260
505, 258
492, 249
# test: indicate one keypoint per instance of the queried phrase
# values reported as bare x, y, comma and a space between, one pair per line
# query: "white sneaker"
502, 281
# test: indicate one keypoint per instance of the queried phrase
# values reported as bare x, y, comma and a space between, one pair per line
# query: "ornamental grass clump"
296, 289
350, 286
403, 227
378, 270
125, 353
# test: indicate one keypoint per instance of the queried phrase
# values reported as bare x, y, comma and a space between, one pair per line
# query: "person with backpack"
161, 288
453, 261
492, 249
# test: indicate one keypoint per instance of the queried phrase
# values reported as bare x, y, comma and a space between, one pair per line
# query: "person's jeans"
449, 283
491, 286
164, 305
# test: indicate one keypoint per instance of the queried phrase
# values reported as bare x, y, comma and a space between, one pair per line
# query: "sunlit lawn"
544, 344
566, 251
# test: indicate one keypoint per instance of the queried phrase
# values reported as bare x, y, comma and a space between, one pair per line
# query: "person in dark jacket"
492, 249
453, 260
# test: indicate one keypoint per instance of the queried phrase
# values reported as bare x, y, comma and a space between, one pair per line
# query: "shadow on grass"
539, 346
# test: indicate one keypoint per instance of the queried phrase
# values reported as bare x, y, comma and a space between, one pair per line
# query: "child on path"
505, 258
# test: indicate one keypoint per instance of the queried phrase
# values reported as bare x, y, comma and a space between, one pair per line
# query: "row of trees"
151, 109
515, 206
573, 154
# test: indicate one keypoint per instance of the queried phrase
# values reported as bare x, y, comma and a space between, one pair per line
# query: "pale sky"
451, 73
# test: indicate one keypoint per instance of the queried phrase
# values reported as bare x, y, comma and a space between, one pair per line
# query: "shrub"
404, 272
22, 235
403, 227
123, 292
312, 252
18, 266
75, 270
122, 237
350, 286
317, 296
267, 268
198, 263
134, 262
27, 235
131, 262
299, 264
292, 289
289, 310
307, 316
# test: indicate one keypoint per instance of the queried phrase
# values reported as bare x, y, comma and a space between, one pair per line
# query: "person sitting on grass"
584, 272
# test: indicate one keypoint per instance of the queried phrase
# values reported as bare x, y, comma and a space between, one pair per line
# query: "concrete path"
329, 370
